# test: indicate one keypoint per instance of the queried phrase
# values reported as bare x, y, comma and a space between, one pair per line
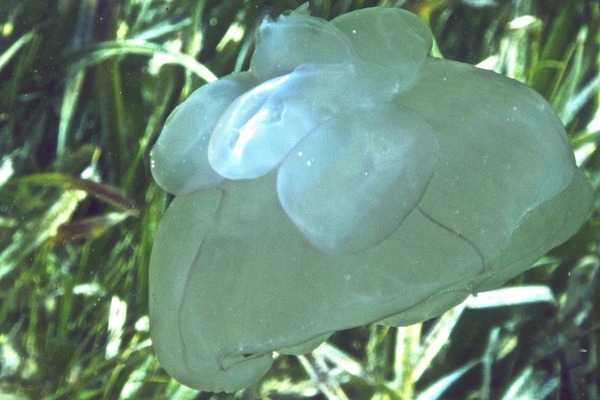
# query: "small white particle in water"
308, 163
299, 154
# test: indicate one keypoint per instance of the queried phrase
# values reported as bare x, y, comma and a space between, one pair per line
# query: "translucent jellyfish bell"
347, 179
256, 132
352, 181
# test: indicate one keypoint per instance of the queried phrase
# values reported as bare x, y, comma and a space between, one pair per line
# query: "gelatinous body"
353, 180
347, 178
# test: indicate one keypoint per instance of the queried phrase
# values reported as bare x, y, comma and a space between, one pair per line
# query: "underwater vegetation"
435, 186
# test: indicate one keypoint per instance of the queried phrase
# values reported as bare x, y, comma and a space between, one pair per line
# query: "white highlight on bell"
248, 132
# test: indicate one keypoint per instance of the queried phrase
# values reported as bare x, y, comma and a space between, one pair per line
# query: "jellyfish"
347, 178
